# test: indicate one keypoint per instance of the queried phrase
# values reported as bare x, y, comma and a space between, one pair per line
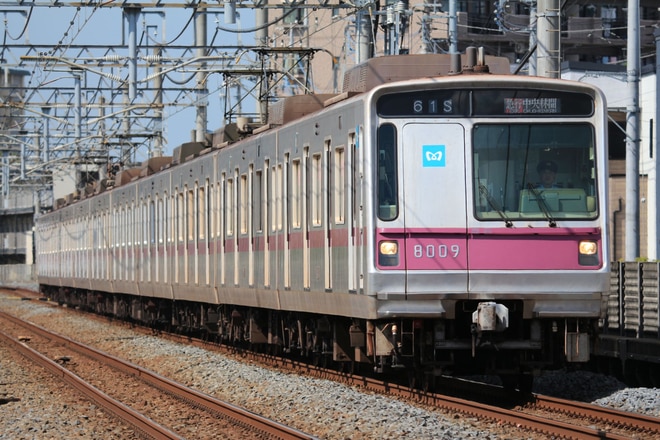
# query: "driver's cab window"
534, 171
386, 176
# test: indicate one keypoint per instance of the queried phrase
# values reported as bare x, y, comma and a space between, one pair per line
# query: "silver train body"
403, 226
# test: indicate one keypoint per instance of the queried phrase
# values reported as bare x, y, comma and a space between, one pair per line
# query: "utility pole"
533, 20
632, 134
453, 27
202, 91
365, 42
656, 253
549, 37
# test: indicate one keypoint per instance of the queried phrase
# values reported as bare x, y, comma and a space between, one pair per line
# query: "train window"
278, 190
296, 190
201, 213
317, 190
191, 214
265, 214
120, 225
221, 207
534, 171
207, 208
152, 222
243, 204
173, 220
229, 206
211, 208
258, 200
162, 219
235, 220
132, 227
339, 183
386, 174
143, 230
273, 199
180, 217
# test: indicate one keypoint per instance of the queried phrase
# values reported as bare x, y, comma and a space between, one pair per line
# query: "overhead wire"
27, 22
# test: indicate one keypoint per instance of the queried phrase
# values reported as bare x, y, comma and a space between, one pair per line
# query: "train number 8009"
439, 251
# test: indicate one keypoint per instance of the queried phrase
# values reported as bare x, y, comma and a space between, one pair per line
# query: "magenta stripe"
527, 253
490, 249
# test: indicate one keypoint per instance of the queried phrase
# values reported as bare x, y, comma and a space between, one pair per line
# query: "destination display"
491, 102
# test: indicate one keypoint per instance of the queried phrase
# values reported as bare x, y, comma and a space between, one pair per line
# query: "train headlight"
588, 247
588, 253
388, 253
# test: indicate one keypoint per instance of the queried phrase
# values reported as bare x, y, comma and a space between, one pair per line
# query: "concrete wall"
19, 275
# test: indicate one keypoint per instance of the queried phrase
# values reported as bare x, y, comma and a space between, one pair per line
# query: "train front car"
489, 223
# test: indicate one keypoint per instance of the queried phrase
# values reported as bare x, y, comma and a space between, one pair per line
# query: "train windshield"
534, 171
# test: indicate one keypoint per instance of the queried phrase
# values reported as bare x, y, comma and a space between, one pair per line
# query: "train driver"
547, 170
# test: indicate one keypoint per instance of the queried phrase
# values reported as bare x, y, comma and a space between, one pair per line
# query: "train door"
352, 216
327, 244
286, 276
304, 212
434, 207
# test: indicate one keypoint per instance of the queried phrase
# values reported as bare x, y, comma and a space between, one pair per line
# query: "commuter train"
628, 344
400, 224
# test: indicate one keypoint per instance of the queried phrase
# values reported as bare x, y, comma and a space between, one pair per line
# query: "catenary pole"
656, 153
548, 37
632, 134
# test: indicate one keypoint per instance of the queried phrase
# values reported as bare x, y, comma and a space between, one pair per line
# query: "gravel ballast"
323, 408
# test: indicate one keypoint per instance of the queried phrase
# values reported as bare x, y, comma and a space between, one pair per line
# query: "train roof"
384, 70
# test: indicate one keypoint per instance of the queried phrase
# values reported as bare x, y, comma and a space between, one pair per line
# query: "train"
628, 343
400, 226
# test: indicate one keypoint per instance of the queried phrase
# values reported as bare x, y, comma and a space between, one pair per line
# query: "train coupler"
489, 317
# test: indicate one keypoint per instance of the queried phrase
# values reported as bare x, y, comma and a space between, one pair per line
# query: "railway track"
557, 418
543, 415
155, 406
629, 425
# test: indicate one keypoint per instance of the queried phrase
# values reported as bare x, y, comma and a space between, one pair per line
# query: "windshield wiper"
494, 205
544, 207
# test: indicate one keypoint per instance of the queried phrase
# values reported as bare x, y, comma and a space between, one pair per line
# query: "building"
591, 31
17, 203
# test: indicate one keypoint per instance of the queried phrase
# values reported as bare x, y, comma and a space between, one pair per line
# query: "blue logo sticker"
433, 156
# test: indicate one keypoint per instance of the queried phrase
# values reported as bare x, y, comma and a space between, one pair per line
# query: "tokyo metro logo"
433, 156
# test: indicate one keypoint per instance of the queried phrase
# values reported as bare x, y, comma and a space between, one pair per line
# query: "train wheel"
615, 368
320, 360
422, 380
643, 374
630, 374
654, 375
525, 383
415, 378
349, 367
509, 381
601, 366
520, 382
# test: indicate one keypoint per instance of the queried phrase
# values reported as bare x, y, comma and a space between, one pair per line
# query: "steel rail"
611, 415
489, 412
235, 414
144, 425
